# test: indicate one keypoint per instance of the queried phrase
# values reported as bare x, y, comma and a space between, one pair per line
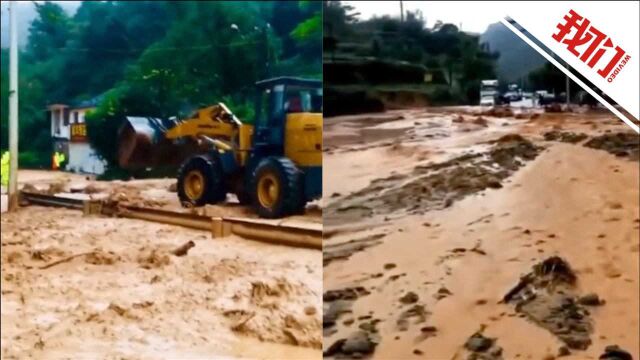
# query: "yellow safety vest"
4, 169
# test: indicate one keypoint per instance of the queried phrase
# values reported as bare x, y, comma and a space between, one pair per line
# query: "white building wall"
58, 129
82, 158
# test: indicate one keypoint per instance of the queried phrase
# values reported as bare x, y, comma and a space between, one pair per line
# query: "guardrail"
308, 236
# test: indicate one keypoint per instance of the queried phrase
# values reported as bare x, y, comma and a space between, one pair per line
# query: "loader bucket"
142, 144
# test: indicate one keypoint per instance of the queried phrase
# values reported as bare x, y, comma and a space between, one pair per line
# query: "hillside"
516, 59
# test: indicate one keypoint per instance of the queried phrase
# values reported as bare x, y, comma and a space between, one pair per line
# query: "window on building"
65, 119
56, 121
75, 117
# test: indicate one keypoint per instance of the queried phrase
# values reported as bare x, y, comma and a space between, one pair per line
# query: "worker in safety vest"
54, 161
61, 160
57, 160
4, 169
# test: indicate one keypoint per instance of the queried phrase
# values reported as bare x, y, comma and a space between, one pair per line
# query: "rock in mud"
614, 352
622, 144
591, 299
547, 297
481, 347
345, 294
354, 346
409, 298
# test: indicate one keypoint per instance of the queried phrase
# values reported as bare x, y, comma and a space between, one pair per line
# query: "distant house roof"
84, 104
93, 102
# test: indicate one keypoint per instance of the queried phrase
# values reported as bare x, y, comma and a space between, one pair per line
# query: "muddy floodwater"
433, 216
77, 286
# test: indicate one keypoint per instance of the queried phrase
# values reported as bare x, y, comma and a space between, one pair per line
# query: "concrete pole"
13, 107
401, 11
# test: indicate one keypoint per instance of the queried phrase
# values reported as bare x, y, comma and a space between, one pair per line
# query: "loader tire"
200, 181
276, 187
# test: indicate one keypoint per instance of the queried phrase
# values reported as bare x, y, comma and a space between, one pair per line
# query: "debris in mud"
101, 258
339, 302
57, 187
154, 258
480, 121
564, 136
344, 250
30, 188
498, 111
481, 347
417, 312
132, 196
614, 352
557, 108
173, 187
436, 186
621, 144
547, 297
183, 249
591, 299
93, 189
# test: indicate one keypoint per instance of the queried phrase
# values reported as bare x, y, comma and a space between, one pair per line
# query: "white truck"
488, 92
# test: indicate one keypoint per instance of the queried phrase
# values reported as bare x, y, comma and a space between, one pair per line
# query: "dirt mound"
622, 144
547, 297
564, 136
435, 186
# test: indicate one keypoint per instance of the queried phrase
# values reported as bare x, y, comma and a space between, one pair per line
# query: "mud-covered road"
432, 217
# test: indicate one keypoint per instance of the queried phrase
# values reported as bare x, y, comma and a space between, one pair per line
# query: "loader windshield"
303, 99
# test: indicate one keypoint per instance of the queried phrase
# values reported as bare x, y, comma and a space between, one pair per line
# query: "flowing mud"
460, 216
95, 287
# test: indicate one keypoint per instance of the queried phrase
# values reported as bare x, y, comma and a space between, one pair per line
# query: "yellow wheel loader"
274, 164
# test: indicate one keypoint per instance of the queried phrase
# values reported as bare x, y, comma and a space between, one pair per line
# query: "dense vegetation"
453, 61
155, 58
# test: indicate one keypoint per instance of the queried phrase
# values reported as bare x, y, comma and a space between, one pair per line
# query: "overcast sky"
475, 16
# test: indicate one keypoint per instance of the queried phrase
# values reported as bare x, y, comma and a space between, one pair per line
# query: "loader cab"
276, 101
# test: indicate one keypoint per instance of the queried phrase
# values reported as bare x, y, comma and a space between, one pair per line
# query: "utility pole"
401, 12
13, 107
